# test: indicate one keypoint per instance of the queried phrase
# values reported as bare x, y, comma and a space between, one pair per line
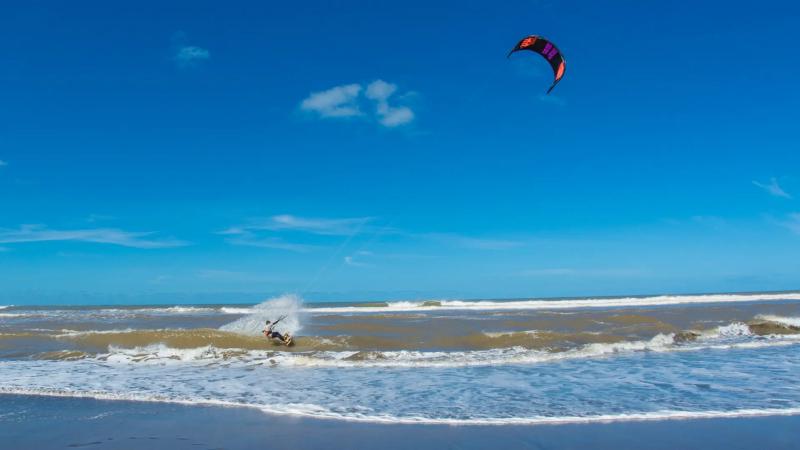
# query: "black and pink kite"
548, 50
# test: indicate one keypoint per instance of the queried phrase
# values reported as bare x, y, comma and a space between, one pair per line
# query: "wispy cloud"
249, 239
773, 188
355, 260
261, 232
40, 233
351, 261
352, 100
270, 233
190, 56
3, 163
288, 222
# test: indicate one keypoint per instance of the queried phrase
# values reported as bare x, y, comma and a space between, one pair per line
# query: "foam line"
318, 412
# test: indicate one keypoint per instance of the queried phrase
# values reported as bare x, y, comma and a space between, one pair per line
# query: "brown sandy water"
74, 332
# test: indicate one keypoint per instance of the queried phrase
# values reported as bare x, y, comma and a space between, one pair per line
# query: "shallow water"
495, 362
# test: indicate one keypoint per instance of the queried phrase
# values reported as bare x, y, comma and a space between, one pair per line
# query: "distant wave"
659, 300
120, 313
236, 310
295, 304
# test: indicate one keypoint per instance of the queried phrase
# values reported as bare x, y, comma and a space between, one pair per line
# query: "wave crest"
719, 339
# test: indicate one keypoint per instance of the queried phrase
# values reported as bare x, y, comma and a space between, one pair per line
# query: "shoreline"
38, 422
660, 416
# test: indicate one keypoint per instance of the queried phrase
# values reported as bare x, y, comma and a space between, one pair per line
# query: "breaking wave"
793, 322
656, 379
227, 347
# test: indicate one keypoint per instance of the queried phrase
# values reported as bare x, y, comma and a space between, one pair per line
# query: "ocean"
456, 362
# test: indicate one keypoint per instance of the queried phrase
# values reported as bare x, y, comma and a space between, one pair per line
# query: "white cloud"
340, 101
355, 260
260, 233
394, 117
319, 226
190, 55
288, 222
251, 240
40, 233
348, 101
380, 90
773, 188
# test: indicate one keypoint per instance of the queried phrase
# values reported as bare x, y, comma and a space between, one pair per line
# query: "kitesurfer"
270, 332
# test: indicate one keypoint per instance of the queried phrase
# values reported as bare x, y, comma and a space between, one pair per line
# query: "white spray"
288, 305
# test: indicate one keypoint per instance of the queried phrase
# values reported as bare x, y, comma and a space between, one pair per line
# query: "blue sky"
380, 150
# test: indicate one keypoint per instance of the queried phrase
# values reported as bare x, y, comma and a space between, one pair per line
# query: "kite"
548, 50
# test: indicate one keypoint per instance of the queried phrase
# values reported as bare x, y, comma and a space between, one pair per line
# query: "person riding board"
270, 332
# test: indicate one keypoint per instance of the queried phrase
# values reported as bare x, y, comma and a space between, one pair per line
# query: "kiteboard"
287, 340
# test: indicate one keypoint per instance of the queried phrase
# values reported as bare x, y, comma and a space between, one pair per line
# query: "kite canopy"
548, 50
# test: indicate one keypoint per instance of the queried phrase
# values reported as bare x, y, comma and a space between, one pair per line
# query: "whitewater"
428, 361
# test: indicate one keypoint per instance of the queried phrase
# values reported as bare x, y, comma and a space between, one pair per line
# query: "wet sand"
32, 422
